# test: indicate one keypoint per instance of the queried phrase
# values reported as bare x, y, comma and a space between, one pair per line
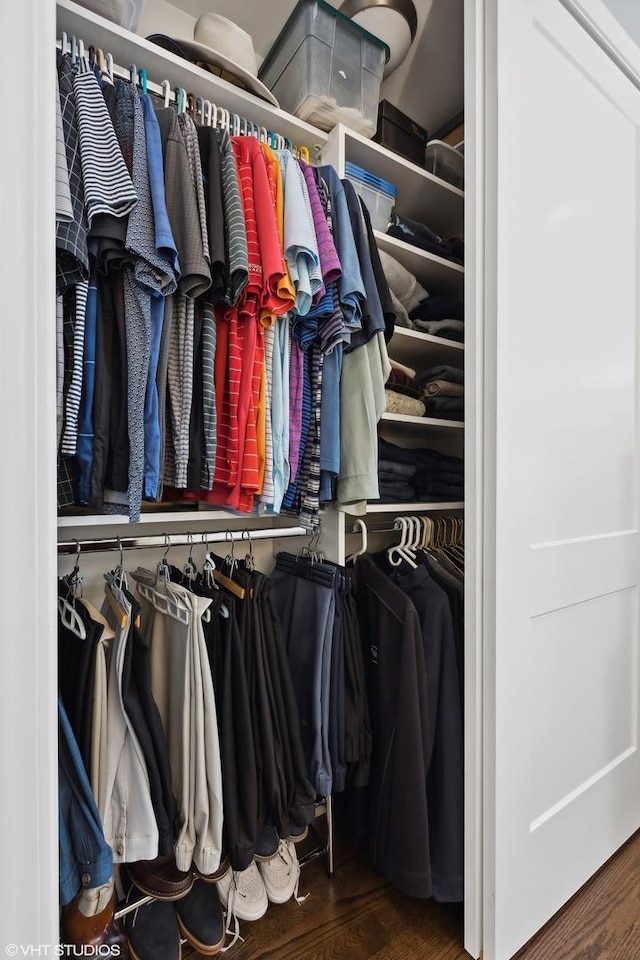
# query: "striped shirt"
64, 209
108, 188
72, 255
234, 225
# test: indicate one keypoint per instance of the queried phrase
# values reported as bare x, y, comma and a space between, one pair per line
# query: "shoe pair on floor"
155, 929
269, 878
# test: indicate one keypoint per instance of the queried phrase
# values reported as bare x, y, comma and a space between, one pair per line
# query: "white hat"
222, 47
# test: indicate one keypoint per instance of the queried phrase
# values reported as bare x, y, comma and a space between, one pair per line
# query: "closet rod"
232, 121
180, 540
123, 73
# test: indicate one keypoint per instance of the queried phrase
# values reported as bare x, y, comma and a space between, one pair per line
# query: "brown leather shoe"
78, 930
160, 878
225, 863
118, 938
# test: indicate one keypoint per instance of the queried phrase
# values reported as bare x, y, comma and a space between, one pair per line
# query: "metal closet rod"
180, 539
183, 100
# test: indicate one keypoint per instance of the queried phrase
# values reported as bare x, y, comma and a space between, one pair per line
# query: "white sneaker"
243, 894
281, 874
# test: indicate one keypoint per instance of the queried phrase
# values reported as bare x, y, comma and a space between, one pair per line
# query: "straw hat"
221, 47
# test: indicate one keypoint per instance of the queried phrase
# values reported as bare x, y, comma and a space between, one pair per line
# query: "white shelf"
414, 348
421, 195
418, 507
126, 48
436, 274
427, 423
157, 518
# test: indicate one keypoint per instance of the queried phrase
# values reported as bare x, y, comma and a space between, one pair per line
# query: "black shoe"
200, 918
152, 930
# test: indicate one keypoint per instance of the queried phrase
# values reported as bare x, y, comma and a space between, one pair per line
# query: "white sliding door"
562, 769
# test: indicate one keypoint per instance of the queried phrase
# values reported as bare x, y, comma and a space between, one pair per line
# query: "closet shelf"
127, 47
421, 195
418, 507
434, 273
427, 423
415, 349
158, 518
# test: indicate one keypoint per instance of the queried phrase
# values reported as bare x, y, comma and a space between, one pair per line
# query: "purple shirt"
329, 260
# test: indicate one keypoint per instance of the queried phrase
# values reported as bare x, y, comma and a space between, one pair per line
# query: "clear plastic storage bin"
379, 196
326, 69
446, 162
125, 13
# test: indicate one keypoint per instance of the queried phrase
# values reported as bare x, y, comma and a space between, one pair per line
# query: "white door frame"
475, 119
607, 32
28, 659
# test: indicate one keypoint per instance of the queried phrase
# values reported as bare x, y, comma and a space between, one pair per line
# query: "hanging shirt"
108, 187
72, 255
64, 208
209, 142
300, 242
234, 225
350, 285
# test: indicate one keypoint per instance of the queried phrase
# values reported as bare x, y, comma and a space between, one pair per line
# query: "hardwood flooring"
357, 916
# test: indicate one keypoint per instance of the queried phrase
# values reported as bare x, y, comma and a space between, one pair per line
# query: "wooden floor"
357, 916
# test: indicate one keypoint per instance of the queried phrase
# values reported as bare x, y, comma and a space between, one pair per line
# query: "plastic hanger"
69, 616
166, 92
142, 77
360, 525
399, 552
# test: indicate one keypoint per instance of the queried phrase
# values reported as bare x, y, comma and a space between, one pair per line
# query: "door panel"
565, 748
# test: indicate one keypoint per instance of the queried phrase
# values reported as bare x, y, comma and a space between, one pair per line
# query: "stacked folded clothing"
442, 391
421, 475
420, 235
439, 315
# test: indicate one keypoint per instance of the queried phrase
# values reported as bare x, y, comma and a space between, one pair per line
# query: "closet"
552, 772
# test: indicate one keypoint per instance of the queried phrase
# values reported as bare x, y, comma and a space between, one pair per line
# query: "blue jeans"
86, 859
